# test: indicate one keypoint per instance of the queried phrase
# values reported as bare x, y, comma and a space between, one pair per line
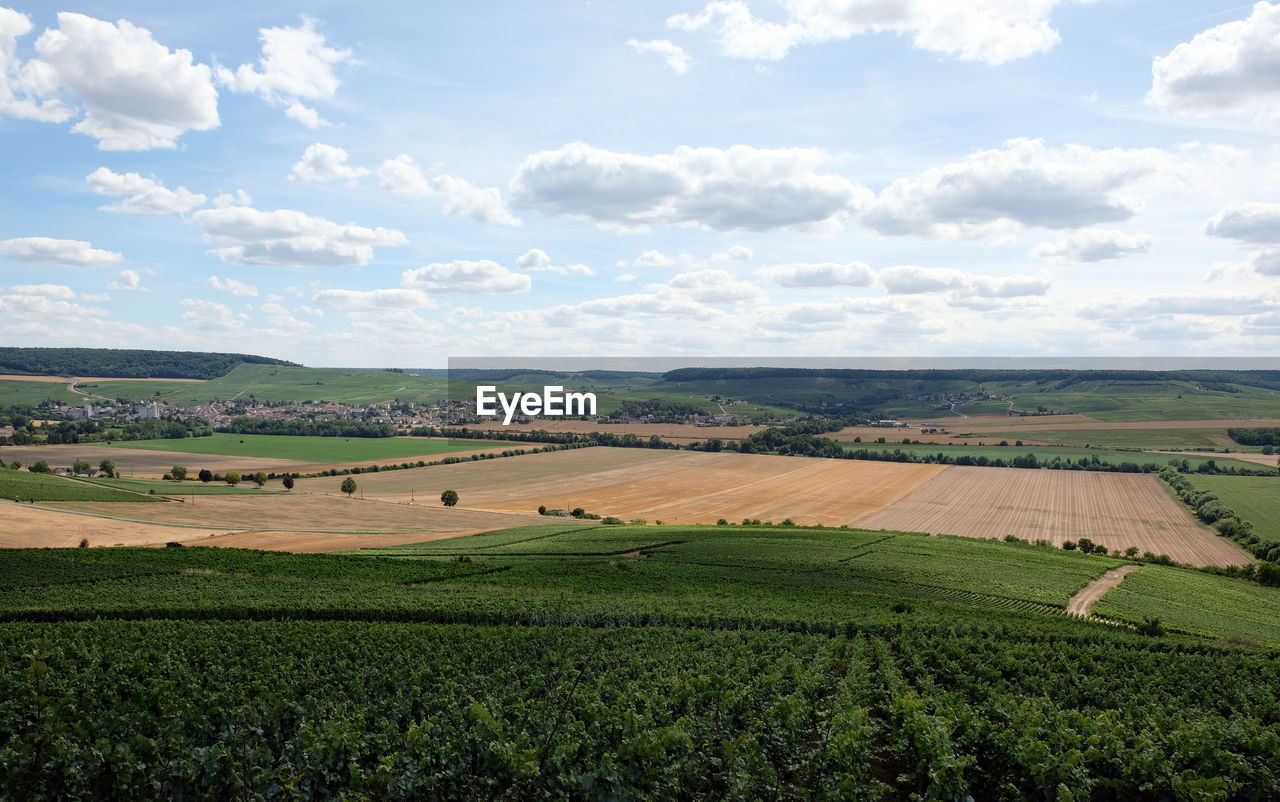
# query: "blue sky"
398, 183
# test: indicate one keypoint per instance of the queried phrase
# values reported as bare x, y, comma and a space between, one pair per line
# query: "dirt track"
671, 486
1082, 603
1119, 510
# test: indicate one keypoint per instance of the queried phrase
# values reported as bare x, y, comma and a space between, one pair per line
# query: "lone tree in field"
287, 481
206, 475
178, 472
449, 498
232, 478
107, 468
348, 486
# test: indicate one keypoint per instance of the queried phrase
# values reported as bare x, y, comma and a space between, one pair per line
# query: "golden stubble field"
677, 487
1117, 509
673, 432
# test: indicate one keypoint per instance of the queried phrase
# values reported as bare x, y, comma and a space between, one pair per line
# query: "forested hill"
125, 363
1061, 378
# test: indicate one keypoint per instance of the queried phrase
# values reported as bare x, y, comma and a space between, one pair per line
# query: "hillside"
125, 363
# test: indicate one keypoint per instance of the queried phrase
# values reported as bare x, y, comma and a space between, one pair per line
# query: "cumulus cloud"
653, 259
296, 65
288, 238
56, 291
232, 286
37, 310
660, 304
819, 274
323, 163
126, 280
914, 280
483, 276
536, 259
1022, 183
373, 300
67, 252
671, 53
140, 195
1228, 69
135, 93
1203, 304
205, 315
972, 30
402, 176
724, 189
1251, 223
1092, 245
715, 287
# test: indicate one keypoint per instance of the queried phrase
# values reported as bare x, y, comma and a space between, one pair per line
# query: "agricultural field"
315, 449
190, 487
23, 392
1117, 509
139, 462
732, 661
670, 432
47, 487
1255, 498
1047, 453
671, 486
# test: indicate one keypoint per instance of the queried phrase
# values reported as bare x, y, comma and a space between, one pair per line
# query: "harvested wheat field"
141, 463
678, 487
673, 432
1268, 460
891, 435
297, 512
959, 423
1119, 510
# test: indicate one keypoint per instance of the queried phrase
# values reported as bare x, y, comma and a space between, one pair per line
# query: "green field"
311, 449
1043, 453
719, 662
25, 486
1144, 439
1255, 498
15, 392
187, 488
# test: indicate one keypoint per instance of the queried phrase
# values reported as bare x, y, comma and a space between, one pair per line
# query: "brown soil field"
299, 512
1148, 424
1269, 460
1119, 510
870, 434
115, 379
678, 487
64, 380
675, 432
16, 377
142, 463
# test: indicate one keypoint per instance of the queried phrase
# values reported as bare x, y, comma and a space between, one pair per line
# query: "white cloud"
95, 297
39, 310
991, 31
914, 280
736, 188
321, 163
296, 65
402, 176
226, 200
1092, 245
372, 300
484, 276
715, 287
653, 259
736, 253
289, 238
233, 286
126, 280
1228, 69
1266, 262
662, 304
56, 291
1025, 183
135, 93
210, 316
536, 259
819, 274
671, 53
1254, 223
141, 195
68, 252
625, 277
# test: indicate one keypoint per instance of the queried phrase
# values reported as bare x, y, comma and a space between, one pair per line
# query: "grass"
26, 486
1196, 603
1043, 453
1255, 498
15, 392
311, 449
187, 488
1144, 439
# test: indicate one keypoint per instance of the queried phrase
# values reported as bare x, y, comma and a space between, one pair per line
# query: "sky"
392, 184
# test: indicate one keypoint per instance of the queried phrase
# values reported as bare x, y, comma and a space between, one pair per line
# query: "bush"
612, 521
1069, 545
1152, 627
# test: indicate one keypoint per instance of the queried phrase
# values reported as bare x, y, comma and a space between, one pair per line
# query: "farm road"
1082, 603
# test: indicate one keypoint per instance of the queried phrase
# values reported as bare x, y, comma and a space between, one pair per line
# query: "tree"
1069, 545
348, 486
178, 472
108, 468
40, 467
449, 498
287, 481
206, 475
80, 466
259, 478
1132, 551
232, 478
1086, 545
